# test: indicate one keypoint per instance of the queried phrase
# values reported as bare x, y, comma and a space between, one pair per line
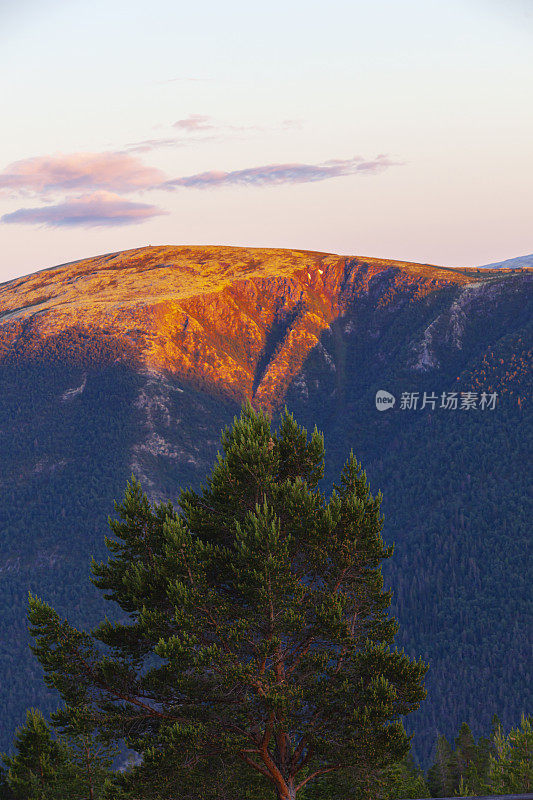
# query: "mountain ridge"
237, 320
519, 262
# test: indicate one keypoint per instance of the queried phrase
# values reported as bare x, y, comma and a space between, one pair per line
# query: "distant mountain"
134, 361
521, 262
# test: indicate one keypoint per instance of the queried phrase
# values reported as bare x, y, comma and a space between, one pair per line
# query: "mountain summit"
234, 320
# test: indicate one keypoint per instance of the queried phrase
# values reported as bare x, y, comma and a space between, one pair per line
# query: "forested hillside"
81, 409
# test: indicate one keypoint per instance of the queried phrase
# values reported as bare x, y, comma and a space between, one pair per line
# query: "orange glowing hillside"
239, 321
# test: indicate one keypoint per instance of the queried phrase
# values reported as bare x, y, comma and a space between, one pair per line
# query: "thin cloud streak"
200, 128
99, 209
147, 145
292, 124
113, 171
275, 174
194, 122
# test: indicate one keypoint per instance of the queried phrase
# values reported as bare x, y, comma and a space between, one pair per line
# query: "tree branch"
319, 772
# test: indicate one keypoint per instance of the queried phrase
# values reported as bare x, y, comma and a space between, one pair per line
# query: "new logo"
384, 400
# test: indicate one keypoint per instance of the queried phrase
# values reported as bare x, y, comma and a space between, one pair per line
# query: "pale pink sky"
401, 130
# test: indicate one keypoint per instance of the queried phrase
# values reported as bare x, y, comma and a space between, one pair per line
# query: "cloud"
194, 122
108, 175
195, 129
200, 128
292, 124
116, 172
153, 144
99, 209
274, 174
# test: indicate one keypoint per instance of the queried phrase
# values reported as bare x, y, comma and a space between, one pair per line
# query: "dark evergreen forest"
455, 484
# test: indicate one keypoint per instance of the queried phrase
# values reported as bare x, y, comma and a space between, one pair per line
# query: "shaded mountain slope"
520, 262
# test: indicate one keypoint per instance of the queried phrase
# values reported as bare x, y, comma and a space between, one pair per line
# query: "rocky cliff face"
240, 322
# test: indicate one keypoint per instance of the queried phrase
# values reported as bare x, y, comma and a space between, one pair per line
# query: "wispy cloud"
200, 128
194, 129
113, 171
292, 124
99, 209
107, 176
146, 145
274, 174
194, 123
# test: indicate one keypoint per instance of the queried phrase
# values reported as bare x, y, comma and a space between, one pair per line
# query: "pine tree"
40, 762
255, 651
463, 790
91, 756
404, 779
495, 727
5, 790
442, 774
46, 767
485, 748
468, 760
511, 766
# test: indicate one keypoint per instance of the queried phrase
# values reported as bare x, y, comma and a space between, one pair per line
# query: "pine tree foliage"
511, 765
46, 767
400, 780
255, 640
461, 767
501, 764
441, 775
39, 760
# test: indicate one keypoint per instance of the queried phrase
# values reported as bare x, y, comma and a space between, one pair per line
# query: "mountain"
134, 361
521, 262
236, 322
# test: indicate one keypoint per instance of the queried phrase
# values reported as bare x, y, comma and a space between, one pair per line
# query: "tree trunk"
288, 794
89, 776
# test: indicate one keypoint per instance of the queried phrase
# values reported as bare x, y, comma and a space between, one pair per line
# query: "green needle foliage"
45, 767
501, 764
511, 763
39, 761
464, 765
402, 779
254, 655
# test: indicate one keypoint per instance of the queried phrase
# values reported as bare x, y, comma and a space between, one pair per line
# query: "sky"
392, 129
